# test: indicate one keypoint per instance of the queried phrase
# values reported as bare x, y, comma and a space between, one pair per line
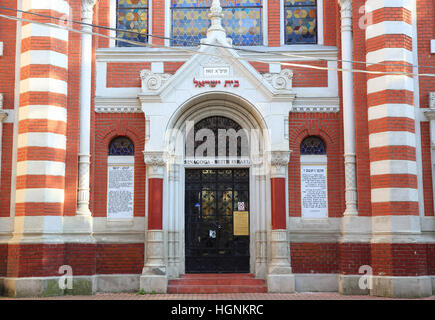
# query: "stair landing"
217, 283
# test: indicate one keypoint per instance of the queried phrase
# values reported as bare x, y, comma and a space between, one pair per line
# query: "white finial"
215, 16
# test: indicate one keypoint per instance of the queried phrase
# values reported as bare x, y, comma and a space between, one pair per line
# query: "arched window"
300, 21
242, 21
121, 146
313, 146
314, 182
132, 16
120, 179
217, 137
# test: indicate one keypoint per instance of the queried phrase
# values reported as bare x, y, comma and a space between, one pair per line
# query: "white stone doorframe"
174, 184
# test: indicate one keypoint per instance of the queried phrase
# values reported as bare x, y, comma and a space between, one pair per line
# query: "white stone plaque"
120, 191
314, 195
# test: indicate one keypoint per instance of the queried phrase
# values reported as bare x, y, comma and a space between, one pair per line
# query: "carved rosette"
280, 81
156, 163
279, 163
153, 81
88, 11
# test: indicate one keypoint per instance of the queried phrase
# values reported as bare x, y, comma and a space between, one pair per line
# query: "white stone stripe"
394, 194
49, 195
393, 167
37, 30
42, 139
391, 138
33, 167
390, 82
44, 85
43, 112
391, 110
44, 57
373, 5
389, 54
388, 27
60, 6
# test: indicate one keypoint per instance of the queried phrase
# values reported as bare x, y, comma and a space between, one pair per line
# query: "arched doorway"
204, 195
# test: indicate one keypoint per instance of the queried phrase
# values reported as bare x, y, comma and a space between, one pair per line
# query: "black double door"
212, 195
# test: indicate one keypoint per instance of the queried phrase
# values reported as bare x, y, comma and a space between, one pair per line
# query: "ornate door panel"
212, 195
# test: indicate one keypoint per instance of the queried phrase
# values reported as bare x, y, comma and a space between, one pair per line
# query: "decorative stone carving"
156, 163
350, 178
118, 109
280, 81
346, 15
317, 109
88, 10
279, 163
153, 81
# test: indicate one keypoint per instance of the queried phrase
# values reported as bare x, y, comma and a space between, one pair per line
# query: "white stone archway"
242, 112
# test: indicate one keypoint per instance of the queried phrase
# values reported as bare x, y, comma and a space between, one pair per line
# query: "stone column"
154, 275
348, 108
279, 275
85, 110
397, 247
430, 114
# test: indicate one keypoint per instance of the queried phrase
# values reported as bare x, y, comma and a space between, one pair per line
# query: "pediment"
216, 66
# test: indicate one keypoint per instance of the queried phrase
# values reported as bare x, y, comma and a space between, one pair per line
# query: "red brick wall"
352, 256
125, 74
43, 260
361, 117
330, 14
426, 32
273, 23
327, 126
3, 259
73, 125
120, 258
427, 169
7, 87
108, 126
102, 18
399, 259
431, 259
314, 257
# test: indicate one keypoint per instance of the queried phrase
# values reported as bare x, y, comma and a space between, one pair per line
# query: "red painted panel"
155, 204
278, 203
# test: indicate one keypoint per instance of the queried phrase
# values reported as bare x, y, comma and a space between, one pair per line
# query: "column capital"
156, 162
279, 163
88, 10
346, 15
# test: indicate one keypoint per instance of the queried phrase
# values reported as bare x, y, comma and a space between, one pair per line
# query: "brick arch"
328, 129
109, 127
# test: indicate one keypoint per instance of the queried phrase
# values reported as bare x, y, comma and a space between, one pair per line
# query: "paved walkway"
223, 296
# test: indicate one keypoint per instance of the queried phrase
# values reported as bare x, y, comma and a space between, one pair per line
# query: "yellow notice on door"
241, 223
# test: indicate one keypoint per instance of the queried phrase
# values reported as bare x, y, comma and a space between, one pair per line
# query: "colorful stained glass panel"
242, 21
313, 146
121, 146
132, 19
300, 22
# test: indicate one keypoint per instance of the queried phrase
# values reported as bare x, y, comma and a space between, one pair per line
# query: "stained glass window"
132, 15
300, 21
121, 146
313, 146
242, 21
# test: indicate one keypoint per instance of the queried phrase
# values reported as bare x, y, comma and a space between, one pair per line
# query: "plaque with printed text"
241, 223
120, 191
314, 191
